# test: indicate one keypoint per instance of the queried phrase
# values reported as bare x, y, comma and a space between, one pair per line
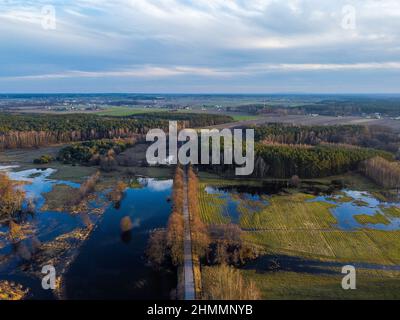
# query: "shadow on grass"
271, 263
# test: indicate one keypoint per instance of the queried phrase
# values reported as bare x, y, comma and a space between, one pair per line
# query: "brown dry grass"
226, 283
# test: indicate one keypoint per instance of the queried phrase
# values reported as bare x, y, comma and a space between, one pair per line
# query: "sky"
200, 46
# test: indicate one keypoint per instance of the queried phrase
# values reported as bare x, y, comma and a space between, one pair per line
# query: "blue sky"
201, 46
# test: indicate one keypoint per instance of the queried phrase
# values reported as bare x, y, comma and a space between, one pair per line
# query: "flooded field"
111, 264
305, 239
361, 203
94, 258
346, 205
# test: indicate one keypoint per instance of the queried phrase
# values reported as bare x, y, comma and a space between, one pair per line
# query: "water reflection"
126, 236
347, 205
113, 258
112, 261
233, 198
38, 226
155, 185
359, 203
38, 183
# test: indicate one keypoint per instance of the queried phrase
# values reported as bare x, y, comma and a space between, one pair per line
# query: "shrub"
157, 249
11, 197
226, 283
45, 159
126, 224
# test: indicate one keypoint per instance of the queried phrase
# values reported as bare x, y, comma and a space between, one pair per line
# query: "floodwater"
362, 203
233, 198
109, 265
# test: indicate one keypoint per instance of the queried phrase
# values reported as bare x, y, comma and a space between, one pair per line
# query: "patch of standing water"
44, 225
6, 168
363, 203
234, 199
38, 183
155, 185
359, 203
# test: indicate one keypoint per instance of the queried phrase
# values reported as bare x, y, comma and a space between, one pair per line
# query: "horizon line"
203, 93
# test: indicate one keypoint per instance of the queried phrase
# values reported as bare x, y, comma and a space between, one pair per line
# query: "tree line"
165, 246
25, 131
33, 130
285, 161
216, 246
382, 172
364, 136
355, 106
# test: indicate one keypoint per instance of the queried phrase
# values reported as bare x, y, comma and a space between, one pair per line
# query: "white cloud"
203, 38
173, 71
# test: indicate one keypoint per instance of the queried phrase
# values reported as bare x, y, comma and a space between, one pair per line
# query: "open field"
305, 249
294, 225
392, 212
133, 157
367, 246
25, 157
213, 209
371, 284
126, 111
291, 225
291, 212
307, 120
376, 219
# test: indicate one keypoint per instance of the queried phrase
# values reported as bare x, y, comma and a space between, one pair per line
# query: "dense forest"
193, 120
382, 172
364, 136
356, 106
21, 131
24, 131
328, 106
91, 151
285, 161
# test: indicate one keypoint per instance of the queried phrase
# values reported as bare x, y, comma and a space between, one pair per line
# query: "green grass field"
244, 117
289, 225
295, 227
292, 225
285, 285
375, 219
212, 208
126, 111
367, 246
393, 212
291, 212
